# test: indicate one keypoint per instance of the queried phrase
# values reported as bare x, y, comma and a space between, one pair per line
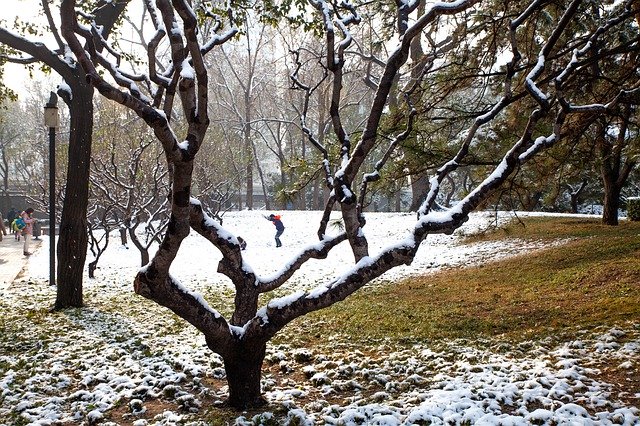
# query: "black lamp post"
52, 121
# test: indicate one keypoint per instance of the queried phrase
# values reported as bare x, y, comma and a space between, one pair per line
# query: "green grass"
592, 279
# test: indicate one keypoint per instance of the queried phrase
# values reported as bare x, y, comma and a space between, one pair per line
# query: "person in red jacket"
279, 227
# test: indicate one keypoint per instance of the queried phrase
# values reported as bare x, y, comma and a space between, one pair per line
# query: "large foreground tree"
537, 74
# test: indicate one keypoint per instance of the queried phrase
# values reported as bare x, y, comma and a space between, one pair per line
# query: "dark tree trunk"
73, 240
574, 203
316, 202
615, 170
72, 243
243, 370
92, 268
123, 236
575, 195
249, 196
144, 251
611, 202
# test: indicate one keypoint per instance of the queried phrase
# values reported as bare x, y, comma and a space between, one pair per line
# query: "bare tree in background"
129, 178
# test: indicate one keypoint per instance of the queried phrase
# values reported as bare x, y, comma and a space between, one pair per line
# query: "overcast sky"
16, 77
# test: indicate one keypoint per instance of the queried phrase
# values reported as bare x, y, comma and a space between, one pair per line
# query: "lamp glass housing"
51, 118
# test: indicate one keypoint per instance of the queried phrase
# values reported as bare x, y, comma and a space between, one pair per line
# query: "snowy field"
198, 260
124, 360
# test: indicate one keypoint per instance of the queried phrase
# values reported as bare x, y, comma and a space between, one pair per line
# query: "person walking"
28, 230
11, 216
275, 219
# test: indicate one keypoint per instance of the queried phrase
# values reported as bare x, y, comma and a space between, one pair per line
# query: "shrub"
633, 208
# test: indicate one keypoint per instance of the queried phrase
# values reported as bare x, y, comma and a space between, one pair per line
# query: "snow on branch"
316, 251
396, 60
190, 305
278, 312
546, 50
234, 266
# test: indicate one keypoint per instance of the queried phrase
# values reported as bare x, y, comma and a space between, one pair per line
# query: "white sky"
16, 77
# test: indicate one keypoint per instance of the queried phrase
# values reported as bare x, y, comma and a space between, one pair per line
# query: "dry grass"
593, 279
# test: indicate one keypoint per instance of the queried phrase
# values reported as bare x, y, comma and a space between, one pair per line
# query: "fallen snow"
197, 262
121, 350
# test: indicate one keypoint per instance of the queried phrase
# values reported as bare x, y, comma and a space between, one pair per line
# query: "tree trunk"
611, 203
243, 370
123, 236
249, 196
316, 204
144, 252
263, 183
615, 169
92, 268
73, 240
249, 148
574, 203
419, 188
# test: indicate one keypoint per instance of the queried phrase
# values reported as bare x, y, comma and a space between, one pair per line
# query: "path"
12, 259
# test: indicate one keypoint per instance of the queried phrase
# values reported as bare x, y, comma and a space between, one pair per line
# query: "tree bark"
611, 200
144, 252
243, 370
73, 240
615, 168
419, 187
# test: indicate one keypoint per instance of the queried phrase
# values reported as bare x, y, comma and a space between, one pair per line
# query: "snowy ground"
197, 262
124, 360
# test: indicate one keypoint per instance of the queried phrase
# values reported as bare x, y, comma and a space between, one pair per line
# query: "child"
279, 227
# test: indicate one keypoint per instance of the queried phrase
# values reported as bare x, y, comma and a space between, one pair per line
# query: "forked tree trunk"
616, 166
144, 251
244, 370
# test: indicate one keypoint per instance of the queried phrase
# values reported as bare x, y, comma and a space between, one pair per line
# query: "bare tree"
129, 179
99, 226
8, 147
535, 86
77, 93
241, 70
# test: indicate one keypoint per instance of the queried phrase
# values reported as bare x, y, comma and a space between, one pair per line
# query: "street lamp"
52, 121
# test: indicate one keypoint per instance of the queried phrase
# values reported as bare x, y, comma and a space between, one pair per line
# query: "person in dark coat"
279, 227
11, 216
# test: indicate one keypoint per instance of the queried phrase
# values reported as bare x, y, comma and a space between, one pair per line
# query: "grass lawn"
591, 279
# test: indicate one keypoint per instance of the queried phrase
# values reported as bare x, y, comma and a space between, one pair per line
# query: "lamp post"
52, 121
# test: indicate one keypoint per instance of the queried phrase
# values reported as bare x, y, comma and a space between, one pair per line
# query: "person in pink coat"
28, 230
